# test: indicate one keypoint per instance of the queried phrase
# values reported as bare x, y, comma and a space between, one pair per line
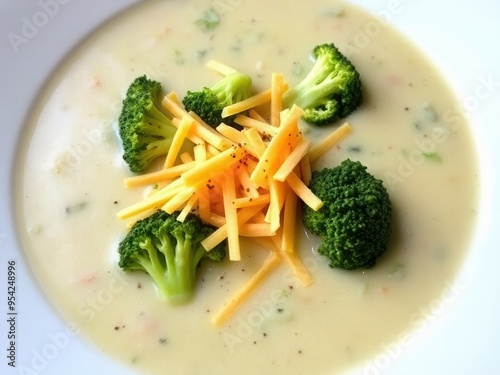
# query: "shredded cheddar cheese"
247, 183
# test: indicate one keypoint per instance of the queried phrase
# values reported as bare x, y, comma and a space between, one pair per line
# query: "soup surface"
409, 131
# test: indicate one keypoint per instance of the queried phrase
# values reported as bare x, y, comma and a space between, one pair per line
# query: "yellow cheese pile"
247, 183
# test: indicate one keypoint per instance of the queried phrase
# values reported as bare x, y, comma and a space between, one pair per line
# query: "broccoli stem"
178, 285
156, 127
154, 267
317, 86
318, 93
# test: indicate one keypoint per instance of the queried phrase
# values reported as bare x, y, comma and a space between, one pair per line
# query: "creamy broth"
409, 132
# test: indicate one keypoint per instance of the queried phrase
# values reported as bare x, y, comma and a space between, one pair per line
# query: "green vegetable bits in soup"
407, 131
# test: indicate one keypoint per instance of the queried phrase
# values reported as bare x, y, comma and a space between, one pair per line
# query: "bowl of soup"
424, 128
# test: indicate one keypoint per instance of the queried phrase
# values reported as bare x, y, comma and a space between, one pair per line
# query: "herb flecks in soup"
71, 171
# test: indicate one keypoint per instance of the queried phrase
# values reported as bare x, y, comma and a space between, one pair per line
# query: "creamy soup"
409, 132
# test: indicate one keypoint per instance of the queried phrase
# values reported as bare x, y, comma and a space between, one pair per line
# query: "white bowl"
459, 38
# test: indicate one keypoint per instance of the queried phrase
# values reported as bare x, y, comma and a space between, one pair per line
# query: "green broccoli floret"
169, 251
331, 90
355, 220
145, 128
208, 103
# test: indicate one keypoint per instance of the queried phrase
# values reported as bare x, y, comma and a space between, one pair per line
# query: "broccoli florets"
331, 90
209, 102
355, 220
145, 128
169, 251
